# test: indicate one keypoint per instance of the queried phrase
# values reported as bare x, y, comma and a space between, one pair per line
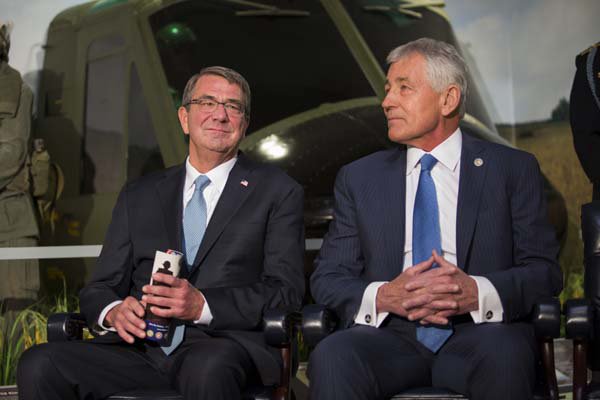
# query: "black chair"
280, 328
583, 316
318, 322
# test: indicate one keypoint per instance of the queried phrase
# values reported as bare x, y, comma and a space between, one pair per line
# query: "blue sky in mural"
523, 50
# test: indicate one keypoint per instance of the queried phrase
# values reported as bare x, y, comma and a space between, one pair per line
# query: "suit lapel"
473, 168
394, 204
170, 193
233, 196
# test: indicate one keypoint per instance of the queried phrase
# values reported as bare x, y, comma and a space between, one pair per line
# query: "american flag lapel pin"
244, 183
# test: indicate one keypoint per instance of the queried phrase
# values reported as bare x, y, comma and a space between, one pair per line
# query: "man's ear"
182, 113
450, 100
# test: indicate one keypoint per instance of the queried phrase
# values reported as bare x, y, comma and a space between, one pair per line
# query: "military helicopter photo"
114, 72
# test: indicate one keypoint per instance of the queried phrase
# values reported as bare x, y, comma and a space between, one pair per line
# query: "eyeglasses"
209, 105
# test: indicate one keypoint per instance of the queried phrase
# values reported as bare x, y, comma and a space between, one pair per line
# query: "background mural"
521, 54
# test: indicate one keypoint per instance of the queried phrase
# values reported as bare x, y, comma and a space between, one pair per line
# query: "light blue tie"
194, 226
427, 237
194, 220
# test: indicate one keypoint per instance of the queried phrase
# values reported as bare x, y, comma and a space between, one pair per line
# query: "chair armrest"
63, 327
279, 326
317, 322
579, 327
579, 320
546, 323
546, 319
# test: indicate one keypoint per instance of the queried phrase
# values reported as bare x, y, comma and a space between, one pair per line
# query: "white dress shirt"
446, 176
212, 193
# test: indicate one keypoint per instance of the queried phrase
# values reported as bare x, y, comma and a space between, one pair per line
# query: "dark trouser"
201, 368
487, 361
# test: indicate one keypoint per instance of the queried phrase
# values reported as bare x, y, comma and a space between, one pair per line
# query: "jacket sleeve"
535, 274
337, 281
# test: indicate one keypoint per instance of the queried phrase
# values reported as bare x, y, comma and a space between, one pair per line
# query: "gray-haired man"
439, 250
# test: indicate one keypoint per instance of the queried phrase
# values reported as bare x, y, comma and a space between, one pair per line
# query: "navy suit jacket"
502, 227
251, 257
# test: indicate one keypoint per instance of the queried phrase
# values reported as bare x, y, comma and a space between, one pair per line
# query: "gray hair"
230, 75
444, 65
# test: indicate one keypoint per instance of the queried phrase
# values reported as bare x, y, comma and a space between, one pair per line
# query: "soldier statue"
20, 280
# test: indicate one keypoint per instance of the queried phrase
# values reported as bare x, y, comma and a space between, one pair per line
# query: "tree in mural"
561, 111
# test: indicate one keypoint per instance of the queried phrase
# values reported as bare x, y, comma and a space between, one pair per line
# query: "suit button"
368, 318
489, 315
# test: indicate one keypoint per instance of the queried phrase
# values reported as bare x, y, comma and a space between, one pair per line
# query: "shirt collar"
218, 175
447, 153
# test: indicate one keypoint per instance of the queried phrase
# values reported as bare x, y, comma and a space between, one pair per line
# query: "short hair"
5, 29
445, 66
230, 75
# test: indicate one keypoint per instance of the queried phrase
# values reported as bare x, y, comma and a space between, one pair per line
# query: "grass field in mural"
552, 144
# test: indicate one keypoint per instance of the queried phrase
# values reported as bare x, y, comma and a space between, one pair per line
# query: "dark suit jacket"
502, 233
250, 260
585, 116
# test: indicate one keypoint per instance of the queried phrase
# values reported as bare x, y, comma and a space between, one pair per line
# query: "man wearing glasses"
239, 225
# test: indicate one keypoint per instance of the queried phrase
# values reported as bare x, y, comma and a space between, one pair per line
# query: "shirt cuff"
367, 313
490, 306
206, 316
103, 315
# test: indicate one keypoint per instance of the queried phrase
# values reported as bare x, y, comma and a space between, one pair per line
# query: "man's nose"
220, 113
387, 102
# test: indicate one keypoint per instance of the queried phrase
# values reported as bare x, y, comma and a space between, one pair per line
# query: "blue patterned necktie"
427, 237
194, 226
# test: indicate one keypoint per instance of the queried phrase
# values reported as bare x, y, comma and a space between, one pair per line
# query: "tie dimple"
427, 162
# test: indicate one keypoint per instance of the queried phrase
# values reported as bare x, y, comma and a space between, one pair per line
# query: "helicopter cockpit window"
290, 52
104, 117
143, 153
387, 24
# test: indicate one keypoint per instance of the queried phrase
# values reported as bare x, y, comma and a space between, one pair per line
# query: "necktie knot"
201, 182
427, 162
